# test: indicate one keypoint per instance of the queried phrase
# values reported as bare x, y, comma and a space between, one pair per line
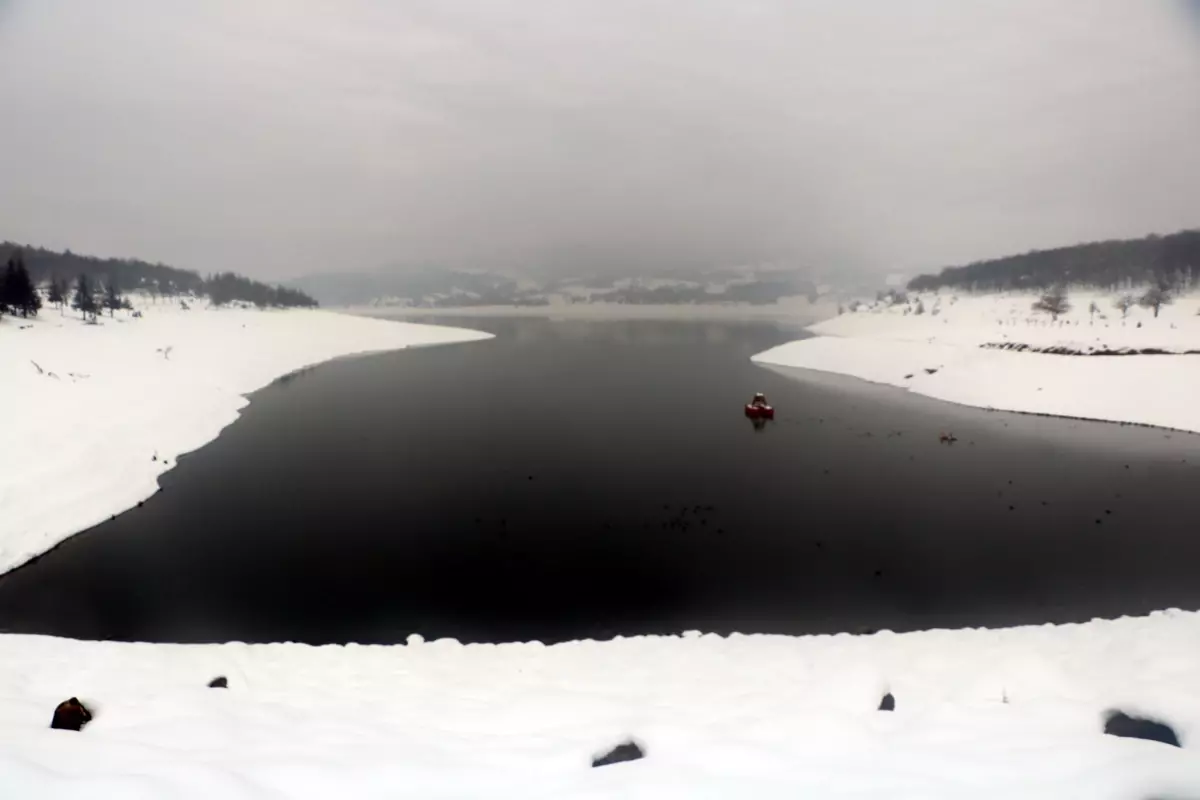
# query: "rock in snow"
1118, 723
218, 682
888, 703
94, 437
626, 751
70, 715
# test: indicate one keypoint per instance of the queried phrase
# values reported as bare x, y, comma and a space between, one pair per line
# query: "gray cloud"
283, 137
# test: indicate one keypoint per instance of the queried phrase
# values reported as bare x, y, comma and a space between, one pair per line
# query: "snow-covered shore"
949, 353
979, 713
95, 413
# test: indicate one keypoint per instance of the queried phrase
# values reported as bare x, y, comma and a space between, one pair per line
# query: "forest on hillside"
130, 274
1170, 262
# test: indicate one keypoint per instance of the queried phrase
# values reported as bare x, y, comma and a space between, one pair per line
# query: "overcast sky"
285, 137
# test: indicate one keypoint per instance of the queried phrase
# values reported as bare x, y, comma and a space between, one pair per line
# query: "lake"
590, 479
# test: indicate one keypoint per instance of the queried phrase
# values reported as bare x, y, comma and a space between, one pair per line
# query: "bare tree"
1093, 309
1155, 297
1124, 302
1053, 302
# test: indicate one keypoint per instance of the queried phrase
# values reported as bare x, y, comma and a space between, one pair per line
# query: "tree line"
20, 295
51, 270
226, 287
1169, 263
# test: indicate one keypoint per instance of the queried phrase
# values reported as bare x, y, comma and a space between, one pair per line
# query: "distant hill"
131, 274
429, 287
451, 288
1170, 261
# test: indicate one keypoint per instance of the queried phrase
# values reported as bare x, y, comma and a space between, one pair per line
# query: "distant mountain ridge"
457, 288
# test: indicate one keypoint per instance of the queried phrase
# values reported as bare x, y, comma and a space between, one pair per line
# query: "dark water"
591, 479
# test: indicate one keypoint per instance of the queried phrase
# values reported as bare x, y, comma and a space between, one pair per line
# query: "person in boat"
759, 400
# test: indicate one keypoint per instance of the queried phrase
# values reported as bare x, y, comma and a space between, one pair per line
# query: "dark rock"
71, 715
218, 682
1118, 723
628, 751
888, 703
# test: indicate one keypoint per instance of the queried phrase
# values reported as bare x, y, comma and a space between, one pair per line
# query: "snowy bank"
952, 352
978, 713
95, 413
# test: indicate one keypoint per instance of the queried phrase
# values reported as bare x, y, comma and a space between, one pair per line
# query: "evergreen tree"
28, 298
17, 292
57, 292
85, 298
112, 296
8, 284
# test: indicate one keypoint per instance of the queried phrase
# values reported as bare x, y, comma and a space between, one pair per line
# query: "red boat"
758, 408
760, 412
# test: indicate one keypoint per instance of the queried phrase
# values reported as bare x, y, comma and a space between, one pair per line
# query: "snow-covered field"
1014, 713
95, 413
940, 354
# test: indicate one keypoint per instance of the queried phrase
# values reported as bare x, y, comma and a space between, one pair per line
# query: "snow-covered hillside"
953, 352
94, 413
984, 714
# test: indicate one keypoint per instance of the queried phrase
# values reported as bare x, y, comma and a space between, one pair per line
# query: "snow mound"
98, 412
987, 713
956, 354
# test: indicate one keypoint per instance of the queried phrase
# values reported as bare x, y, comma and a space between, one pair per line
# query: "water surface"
588, 479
